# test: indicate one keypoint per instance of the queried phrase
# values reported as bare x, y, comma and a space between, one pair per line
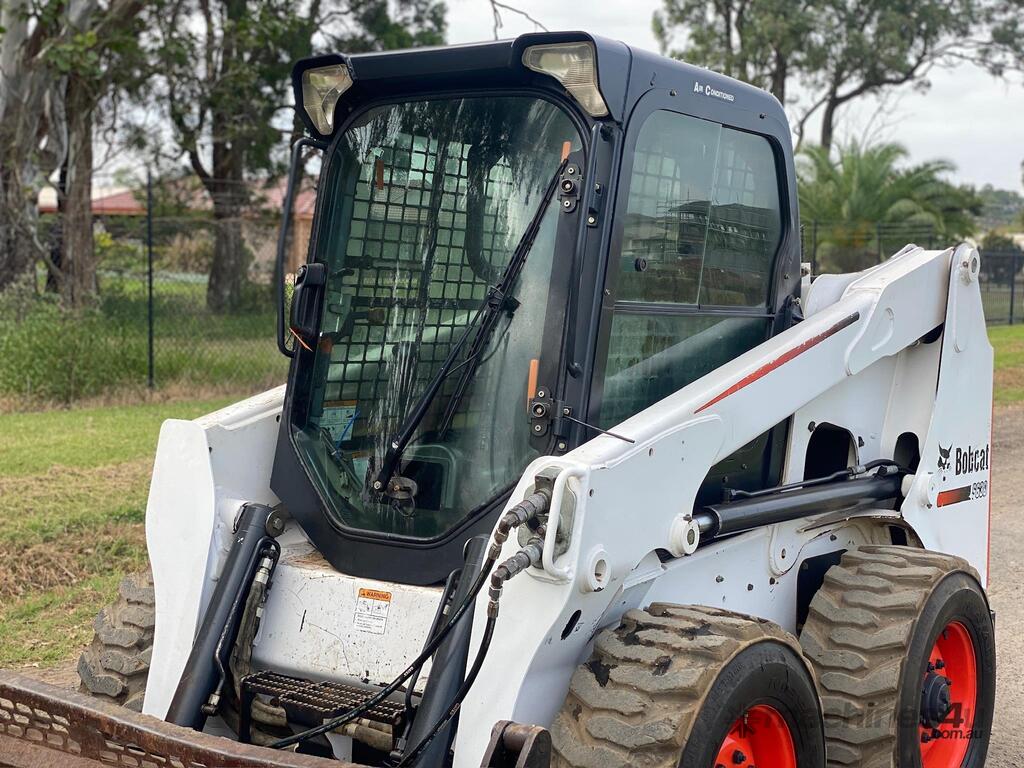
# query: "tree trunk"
78, 256
779, 74
828, 119
226, 184
16, 252
230, 269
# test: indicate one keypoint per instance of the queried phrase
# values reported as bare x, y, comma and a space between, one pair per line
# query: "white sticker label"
372, 611
338, 418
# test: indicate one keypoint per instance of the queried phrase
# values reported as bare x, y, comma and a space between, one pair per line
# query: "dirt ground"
1006, 590
1006, 586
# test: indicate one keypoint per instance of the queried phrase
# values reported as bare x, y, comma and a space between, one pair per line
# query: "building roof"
107, 201
124, 201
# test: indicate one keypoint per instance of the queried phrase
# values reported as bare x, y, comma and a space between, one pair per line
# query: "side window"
670, 191
703, 219
691, 285
745, 225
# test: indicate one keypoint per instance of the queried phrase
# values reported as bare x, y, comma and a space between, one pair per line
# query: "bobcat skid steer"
574, 466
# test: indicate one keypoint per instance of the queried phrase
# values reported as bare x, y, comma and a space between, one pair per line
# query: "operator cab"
516, 245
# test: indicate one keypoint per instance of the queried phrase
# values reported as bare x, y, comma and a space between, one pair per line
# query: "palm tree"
864, 206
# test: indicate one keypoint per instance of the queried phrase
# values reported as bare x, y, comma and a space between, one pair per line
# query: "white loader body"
861, 361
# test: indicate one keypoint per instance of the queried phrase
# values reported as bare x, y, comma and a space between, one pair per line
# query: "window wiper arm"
498, 299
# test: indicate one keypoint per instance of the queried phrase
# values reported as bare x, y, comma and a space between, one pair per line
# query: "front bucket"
42, 726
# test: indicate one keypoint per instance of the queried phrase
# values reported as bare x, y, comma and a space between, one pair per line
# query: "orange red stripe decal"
954, 496
782, 359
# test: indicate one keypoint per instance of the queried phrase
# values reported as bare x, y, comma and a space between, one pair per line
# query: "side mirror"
294, 170
307, 298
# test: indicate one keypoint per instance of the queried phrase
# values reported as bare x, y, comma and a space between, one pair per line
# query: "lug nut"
738, 758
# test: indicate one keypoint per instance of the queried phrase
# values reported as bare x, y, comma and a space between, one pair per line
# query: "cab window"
703, 219
691, 283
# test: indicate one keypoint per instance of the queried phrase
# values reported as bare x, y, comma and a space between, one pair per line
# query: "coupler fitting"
532, 506
526, 557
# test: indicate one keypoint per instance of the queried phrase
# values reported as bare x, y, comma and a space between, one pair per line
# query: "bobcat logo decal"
944, 456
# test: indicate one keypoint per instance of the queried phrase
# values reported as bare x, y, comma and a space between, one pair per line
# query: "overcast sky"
967, 117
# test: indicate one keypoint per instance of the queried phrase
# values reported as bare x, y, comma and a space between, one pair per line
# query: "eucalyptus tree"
224, 85
837, 51
58, 59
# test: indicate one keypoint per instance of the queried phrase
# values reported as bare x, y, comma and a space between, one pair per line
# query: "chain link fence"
167, 316
832, 247
161, 322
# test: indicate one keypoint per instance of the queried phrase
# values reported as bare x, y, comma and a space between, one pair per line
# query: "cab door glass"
670, 190
744, 225
692, 281
703, 218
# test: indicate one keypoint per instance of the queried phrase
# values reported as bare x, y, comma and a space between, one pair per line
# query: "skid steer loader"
575, 464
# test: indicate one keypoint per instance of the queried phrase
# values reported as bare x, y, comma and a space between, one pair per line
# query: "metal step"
310, 703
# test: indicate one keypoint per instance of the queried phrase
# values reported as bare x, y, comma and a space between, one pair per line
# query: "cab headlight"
321, 89
574, 65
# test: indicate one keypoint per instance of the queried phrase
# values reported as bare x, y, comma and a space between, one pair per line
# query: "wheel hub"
948, 698
759, 739
936, 699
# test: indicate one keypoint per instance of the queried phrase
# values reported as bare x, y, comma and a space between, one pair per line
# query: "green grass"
50, 355
1008, 343
49, 628
31, 443
74, 484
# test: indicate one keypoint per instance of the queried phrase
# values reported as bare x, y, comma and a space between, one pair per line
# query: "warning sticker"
372, 611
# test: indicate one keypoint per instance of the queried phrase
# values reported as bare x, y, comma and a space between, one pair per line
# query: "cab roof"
625, 73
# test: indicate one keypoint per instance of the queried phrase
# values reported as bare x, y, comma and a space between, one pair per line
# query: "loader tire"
691, 687
875, 632
116, 665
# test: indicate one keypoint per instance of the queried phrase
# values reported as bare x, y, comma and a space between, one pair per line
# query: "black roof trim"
625, 73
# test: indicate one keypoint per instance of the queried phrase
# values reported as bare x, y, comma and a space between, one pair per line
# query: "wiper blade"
498, 299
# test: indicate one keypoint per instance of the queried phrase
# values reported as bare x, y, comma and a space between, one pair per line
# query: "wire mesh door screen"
408, 287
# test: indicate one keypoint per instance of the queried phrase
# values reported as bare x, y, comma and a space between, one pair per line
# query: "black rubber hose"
456, 704
394, 685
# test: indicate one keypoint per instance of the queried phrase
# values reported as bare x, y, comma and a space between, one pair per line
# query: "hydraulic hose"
485, 643
446, 596
516, 516
529, 555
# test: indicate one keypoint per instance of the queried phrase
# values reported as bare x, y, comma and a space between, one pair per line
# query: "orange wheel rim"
949, 697
760, 737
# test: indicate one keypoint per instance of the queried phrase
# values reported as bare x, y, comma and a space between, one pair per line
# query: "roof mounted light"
574, 65
321, 89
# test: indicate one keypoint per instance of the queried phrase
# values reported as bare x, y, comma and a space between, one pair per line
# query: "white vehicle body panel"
855, 363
